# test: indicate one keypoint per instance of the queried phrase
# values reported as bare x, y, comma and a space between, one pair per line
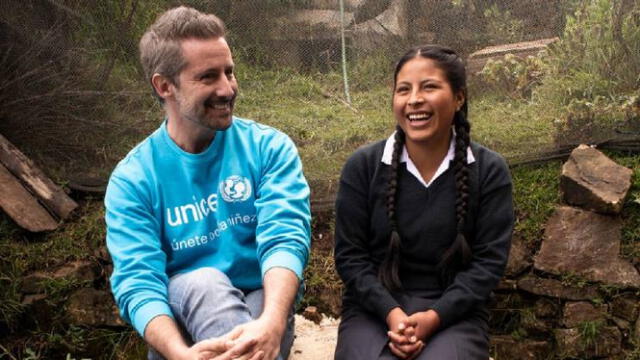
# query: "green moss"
536, 194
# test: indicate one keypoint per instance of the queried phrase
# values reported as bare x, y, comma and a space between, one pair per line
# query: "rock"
314, 341
310, 25
575, 313
555, 288
35, 283
625, 306
91, 307
636, 332
369, 9
103, 254
77, 271
506, 347
80, 271
623, 324
535, 327
311, 313
571, 343
519, 258
38, 309
349, 5
506, 284
385, 28
593, 181
315, 41
546, 308
31, 299
586, 244
506, 301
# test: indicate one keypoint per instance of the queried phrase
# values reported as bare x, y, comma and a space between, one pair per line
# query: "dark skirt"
362, 336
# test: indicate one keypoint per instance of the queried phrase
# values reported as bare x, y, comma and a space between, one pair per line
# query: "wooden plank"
21, 206
50, 194
479, 59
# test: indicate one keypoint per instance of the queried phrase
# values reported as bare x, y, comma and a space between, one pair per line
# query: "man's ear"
162, 85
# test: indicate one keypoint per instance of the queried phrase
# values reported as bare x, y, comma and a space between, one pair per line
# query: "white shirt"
411, 167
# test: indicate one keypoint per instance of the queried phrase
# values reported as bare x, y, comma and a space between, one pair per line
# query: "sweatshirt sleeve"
490, 248
283, 233
139, 280
352, 254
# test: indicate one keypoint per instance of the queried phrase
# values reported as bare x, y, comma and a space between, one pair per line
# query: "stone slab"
585, 244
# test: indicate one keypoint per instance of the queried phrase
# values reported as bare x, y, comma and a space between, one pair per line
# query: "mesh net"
542, 76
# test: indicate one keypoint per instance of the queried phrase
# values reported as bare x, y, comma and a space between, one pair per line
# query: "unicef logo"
235, 188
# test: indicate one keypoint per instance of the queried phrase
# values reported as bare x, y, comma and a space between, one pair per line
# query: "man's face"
207, 88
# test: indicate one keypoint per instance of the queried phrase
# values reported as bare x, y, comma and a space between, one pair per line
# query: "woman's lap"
362, 336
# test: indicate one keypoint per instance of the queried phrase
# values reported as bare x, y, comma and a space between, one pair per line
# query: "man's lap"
206, 305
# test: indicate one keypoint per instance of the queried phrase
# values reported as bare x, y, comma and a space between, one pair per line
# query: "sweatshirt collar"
411, 167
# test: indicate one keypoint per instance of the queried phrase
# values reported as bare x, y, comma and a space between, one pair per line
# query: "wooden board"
50, 194
479, 59
23, 208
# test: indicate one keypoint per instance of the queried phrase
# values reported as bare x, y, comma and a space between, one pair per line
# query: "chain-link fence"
560, 72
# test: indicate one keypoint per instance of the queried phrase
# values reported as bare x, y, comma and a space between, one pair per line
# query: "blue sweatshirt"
241, 206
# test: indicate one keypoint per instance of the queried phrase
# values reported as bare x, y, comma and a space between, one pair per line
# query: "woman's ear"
460, 99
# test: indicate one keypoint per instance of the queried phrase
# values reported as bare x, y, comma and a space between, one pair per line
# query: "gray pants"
206, 305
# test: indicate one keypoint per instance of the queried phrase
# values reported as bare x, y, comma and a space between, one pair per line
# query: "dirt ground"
314, 342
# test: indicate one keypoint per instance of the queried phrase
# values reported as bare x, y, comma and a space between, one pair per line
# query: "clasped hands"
408, 334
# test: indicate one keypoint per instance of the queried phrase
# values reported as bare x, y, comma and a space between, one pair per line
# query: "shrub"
513, 77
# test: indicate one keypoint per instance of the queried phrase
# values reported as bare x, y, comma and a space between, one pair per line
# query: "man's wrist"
275, 322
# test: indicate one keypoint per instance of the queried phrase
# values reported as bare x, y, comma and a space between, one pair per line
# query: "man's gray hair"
160, 49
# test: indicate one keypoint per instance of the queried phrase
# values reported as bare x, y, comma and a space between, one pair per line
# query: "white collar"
411, 167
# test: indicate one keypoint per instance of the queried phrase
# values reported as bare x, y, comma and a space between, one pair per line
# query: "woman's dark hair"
458, 255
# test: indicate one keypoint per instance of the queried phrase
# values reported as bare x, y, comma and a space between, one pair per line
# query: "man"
208, 219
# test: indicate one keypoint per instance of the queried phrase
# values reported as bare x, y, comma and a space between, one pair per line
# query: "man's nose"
226, 87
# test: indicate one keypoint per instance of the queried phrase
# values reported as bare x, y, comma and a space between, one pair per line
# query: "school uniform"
426, 222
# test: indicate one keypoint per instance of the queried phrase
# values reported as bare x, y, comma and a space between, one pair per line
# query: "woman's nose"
415, 99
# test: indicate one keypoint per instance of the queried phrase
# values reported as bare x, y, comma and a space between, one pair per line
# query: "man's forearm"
163, 335
280, 289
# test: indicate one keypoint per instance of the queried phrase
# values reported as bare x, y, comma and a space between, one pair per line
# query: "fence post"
344, 54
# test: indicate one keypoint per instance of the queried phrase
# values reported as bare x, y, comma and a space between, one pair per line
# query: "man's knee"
205, 284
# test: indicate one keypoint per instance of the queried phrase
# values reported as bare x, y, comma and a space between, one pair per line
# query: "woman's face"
424, 103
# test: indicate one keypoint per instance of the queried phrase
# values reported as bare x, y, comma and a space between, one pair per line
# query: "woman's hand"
426, 324
402, 339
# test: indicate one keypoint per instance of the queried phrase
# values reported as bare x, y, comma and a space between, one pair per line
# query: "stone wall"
574, 297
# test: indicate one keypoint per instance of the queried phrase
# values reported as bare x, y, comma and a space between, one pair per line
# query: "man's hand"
222, 349
280, 288
264, 333
163, 335
402, 340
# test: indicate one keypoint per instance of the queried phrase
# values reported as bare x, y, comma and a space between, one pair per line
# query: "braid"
388, 273
458, 255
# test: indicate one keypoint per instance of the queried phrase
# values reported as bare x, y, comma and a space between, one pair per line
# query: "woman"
423, 224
